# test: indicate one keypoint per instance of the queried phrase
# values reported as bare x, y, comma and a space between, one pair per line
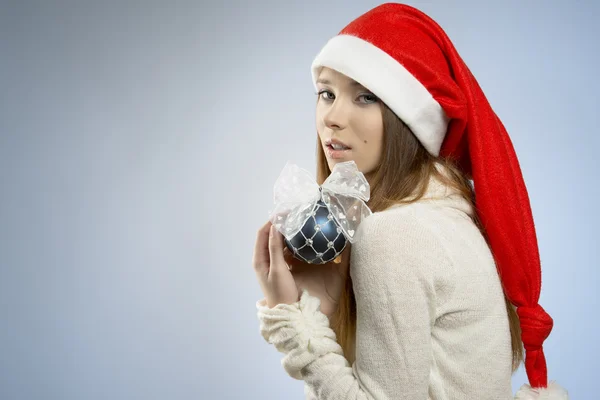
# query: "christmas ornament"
318, 222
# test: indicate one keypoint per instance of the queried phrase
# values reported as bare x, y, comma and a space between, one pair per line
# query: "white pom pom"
553, 392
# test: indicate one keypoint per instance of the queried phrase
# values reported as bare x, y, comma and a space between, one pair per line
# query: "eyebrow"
328, 82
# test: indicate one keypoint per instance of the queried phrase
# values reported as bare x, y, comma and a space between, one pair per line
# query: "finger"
294, 264
287, 255
261, 257
276, 249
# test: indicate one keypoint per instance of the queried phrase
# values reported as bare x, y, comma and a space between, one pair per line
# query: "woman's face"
348, 112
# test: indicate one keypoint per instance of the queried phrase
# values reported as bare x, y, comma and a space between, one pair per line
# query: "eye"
372, 97
325, 91
369, 97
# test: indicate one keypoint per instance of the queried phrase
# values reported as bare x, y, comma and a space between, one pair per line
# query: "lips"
337, 154
336, 142
338, 147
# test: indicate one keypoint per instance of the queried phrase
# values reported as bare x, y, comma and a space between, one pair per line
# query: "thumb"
276, 249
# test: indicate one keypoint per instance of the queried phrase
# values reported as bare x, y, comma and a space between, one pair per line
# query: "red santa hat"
407, 60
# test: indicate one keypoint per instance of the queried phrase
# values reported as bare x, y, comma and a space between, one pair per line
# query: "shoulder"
406, 224
403, 237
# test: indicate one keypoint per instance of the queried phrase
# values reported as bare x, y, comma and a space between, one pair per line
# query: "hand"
325, 281
276, 280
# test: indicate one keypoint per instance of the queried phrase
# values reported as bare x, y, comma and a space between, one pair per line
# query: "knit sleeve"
393, 266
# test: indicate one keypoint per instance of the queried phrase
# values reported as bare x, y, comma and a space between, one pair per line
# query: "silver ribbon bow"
296, 193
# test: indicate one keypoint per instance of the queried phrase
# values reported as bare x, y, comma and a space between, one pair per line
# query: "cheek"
372, 140
372, 132
319, 122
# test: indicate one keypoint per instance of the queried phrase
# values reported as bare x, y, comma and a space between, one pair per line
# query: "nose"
336, 115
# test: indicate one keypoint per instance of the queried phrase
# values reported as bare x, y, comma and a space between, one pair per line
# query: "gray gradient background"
139, 144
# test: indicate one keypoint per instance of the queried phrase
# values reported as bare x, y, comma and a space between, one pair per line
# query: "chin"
332, 163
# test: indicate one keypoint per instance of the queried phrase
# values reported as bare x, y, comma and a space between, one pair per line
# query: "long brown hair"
401, 177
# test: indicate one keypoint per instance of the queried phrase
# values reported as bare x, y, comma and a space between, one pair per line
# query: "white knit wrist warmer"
299, 330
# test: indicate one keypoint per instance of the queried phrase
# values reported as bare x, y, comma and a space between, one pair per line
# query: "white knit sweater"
431, 318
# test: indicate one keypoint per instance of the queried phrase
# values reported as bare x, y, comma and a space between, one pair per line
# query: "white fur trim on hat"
553, 392
390, 81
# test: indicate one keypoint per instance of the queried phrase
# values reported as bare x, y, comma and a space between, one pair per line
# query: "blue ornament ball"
320, 240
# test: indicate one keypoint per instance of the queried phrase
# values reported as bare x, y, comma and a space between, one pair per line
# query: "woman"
421, 305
